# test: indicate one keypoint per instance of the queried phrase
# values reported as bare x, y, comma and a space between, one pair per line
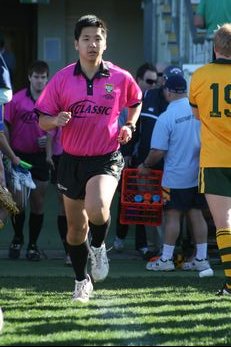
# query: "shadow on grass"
138, 311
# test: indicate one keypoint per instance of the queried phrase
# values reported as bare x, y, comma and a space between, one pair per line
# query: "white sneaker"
118, 244
99, 263
26, 180
196, 264
83, 290
16, 180
160, 265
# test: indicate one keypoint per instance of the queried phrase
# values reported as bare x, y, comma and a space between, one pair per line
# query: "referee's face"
91, 43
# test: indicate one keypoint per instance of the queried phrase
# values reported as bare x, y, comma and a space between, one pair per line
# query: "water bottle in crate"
141, 198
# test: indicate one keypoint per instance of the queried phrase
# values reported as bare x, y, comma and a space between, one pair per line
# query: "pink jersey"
23, 121
95, 106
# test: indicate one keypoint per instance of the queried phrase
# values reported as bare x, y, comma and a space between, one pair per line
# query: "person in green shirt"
211, 13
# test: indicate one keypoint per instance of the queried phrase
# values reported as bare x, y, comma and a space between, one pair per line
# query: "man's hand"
125, 135
63, 118
16, 160
144, 170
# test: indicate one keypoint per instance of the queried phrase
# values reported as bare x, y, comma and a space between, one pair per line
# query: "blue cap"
172, 70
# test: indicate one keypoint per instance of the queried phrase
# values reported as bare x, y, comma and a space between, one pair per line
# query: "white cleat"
99, 263
83, 290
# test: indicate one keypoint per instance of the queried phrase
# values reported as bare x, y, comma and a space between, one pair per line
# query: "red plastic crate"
143, 189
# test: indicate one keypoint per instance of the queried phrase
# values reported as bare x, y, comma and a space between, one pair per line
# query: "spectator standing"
85, 99
8, 56
210, 101
146, 77
22, 123
211, 13
5, 97
154, 103
176, 139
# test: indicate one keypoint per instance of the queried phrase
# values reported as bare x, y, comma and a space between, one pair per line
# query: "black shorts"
74, 172
40, 170
185, 199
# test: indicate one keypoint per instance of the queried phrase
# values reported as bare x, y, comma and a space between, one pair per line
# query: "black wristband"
131, 126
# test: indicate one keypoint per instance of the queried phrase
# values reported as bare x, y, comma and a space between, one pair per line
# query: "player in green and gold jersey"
210, 98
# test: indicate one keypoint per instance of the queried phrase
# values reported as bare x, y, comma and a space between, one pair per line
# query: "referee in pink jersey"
85, 99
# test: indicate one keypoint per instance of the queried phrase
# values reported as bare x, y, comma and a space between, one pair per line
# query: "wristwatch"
131, 126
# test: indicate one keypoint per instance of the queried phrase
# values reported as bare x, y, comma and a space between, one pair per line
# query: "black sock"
140, 237
62, 228
18, 223
35, 226
99, 233
79, 256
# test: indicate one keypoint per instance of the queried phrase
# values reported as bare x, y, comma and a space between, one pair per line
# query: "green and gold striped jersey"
210, 93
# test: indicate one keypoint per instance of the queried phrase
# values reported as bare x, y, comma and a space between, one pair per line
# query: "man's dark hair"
89, 20
143, 68
38, 66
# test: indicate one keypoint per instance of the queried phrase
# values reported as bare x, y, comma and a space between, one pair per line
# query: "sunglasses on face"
150, 81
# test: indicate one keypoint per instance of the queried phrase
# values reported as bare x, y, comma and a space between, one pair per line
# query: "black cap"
176, 84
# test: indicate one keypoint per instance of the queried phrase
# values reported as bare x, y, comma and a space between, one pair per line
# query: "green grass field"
132, 307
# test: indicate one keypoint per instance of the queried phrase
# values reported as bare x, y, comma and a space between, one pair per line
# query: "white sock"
201, 252
167, 252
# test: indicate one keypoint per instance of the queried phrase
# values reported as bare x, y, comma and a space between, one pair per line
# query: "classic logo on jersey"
109, 88
86, 108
